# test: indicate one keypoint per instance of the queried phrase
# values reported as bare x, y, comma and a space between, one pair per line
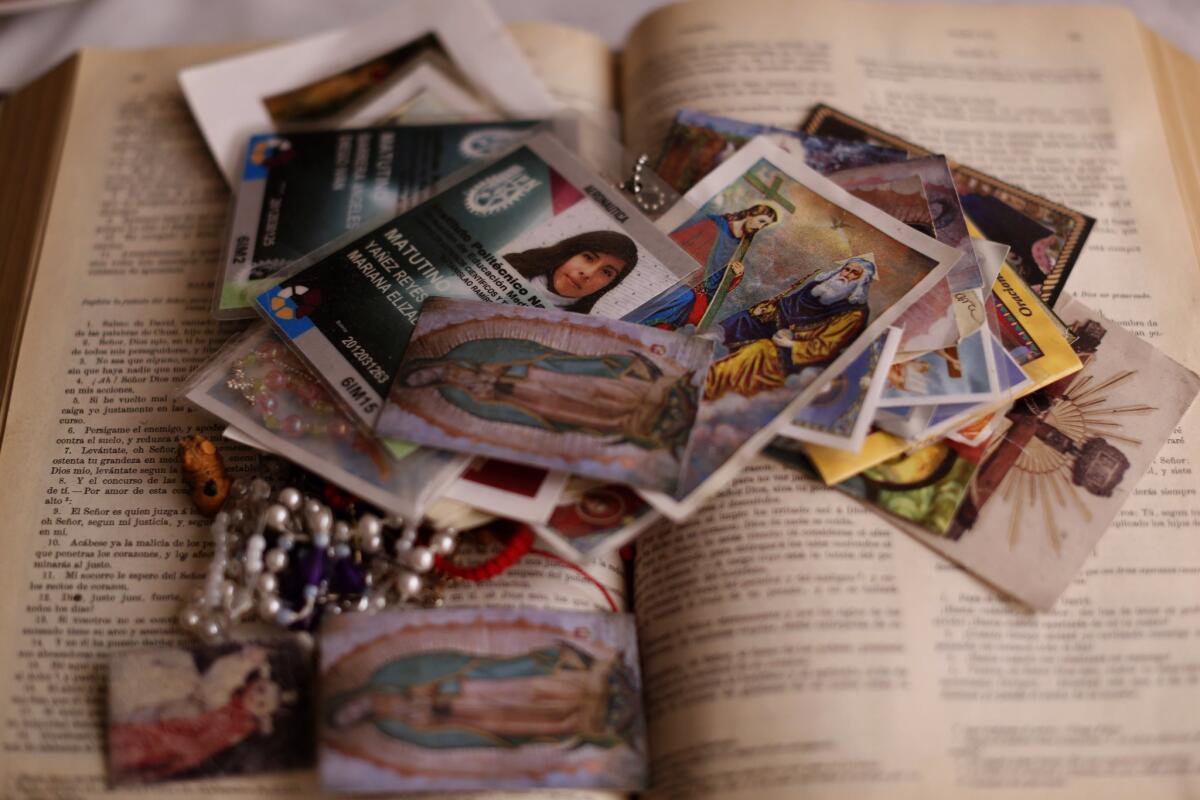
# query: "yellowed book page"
31, 126
1177, 78
577, 67
795, 646
101, 543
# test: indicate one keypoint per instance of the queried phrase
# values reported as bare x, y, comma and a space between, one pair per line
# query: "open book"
793, 645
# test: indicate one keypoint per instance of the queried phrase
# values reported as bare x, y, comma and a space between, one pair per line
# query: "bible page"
577, 67
794, 645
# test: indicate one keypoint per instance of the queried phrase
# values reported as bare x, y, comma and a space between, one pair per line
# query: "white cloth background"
32, 42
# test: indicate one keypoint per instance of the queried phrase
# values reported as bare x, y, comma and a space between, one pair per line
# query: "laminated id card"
301, 190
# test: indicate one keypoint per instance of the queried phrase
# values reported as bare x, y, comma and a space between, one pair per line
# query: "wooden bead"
204, 471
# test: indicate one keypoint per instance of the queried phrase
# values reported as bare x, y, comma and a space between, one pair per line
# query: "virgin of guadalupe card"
534, 227
209, 710
798, 277
600, 398
1068, 457
1046, 237
300, 190
350, 77
472, 699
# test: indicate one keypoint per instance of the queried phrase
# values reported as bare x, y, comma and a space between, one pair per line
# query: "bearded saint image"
800, 333
622, 395
719, 241
453, 699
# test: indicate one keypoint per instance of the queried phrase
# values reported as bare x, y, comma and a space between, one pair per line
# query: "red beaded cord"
516, 549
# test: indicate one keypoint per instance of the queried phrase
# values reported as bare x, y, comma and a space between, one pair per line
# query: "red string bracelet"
547, 554
516, 549
519, 546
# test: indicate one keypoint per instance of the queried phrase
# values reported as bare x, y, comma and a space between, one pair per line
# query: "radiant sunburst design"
1041, 477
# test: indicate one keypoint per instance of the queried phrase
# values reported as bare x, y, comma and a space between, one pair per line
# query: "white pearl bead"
311, 507
443, 543
320, 522
276, 517
268, 607
276, 559
372, 543
190, 618
287, 541
212, 630
260, 489
408, 583
291, 498
267, 583
369, 525
321, 540
341, 531
420, 559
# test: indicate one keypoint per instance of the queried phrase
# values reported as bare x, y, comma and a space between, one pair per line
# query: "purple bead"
312, 566
348, 578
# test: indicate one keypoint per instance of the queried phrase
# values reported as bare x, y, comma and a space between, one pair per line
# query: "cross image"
771, 192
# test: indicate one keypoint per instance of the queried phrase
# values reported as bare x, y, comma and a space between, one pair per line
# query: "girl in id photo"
575, 272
